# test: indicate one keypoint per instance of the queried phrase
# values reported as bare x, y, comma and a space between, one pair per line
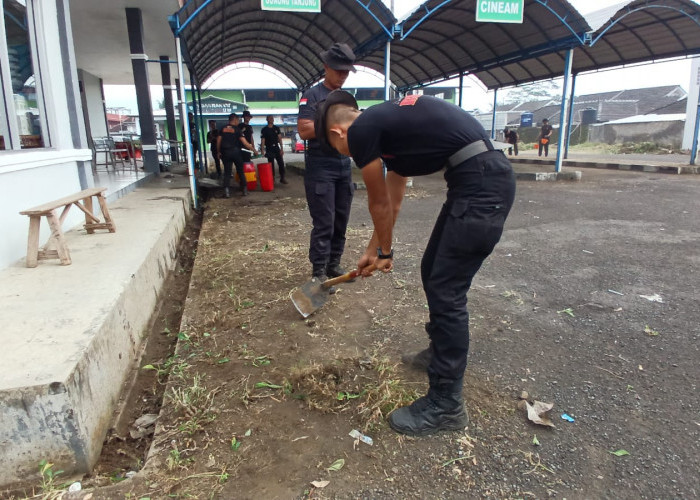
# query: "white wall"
95, 106
32, 177
26, 187
692, 106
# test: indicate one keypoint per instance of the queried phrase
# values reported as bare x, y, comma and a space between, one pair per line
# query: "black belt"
469, 151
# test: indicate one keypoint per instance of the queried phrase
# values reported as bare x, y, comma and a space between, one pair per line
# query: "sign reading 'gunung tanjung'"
291, 5
499, 11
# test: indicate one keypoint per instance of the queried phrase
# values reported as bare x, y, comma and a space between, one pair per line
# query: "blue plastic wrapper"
566, 417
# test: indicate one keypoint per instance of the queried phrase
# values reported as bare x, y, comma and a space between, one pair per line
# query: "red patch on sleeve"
409, 100
303, 102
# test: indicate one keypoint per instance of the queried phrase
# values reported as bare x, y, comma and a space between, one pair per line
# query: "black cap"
245, 113
339, 57
335, 97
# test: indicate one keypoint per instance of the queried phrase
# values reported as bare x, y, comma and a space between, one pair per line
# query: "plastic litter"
616, 293
568, 418
358, 435
653, 298
76, 486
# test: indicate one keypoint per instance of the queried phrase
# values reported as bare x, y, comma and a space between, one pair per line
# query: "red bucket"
267, 182
251, 179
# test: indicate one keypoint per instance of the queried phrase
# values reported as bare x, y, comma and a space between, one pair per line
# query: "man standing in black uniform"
480, 193
271, 147
247, 131
212, 137
228, 146
545, 134
327, 176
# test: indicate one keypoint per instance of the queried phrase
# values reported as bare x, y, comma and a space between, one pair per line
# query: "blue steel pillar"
387, 70
694, 150
493, 118
134, 25
563, 124
571, 116
461, 86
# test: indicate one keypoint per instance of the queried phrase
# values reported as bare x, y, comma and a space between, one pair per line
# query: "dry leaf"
536, 413
320, 484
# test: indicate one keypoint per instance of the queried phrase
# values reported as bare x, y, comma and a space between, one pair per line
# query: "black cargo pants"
479, 197
329, 191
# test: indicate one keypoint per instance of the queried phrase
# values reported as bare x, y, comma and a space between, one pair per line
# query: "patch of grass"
367, 386
48, 477
194, 402
514, 296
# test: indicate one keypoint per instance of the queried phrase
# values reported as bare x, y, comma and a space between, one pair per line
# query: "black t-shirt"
307, 111
414, 135
230, 137
247, 132
271, 137
546, 129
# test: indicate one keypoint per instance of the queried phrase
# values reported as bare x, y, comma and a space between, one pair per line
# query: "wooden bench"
49, 210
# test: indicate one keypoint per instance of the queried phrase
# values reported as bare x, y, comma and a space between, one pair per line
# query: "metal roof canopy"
442, 39
217, 33
438, 41
641, 31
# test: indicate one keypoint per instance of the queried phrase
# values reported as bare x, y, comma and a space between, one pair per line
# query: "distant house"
655, 114
605, 106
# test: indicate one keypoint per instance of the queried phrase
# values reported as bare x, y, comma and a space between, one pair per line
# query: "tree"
538, 91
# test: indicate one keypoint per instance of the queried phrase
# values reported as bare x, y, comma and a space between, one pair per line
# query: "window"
21, 123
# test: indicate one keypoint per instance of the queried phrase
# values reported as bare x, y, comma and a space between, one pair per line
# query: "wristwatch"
380, 255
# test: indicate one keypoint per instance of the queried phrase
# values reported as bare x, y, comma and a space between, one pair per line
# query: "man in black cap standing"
247, 131
480, 193
327, 177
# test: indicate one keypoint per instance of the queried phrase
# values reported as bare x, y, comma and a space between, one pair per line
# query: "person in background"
271, 147
228, 145
327, 176
247, 131
212, 137
480, 193
511, 137
194, 139
543, 139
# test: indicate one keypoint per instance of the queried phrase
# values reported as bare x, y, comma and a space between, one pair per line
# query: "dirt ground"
259, 403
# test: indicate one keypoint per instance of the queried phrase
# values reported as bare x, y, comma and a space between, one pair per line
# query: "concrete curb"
634, 167
548, 176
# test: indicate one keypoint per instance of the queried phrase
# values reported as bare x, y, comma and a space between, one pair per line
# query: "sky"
475, 95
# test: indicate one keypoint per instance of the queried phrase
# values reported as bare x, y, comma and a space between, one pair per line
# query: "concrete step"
72, 333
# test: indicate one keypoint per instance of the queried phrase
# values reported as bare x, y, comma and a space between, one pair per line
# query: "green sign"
292, 5
499, 11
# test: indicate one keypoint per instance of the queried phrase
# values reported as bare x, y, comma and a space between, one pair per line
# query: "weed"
515, 296
48, 476
194, 402
568, 311
175, 459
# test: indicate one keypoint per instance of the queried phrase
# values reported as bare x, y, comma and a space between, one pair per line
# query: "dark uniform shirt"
247, 132
307, 111
230, 138
414, 135
271, 137
545, 130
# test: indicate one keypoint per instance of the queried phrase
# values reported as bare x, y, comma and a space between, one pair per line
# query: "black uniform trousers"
217, 160
229, 157
479, 197
329, 191
272, 155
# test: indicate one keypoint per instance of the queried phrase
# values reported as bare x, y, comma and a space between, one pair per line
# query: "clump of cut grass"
367, 387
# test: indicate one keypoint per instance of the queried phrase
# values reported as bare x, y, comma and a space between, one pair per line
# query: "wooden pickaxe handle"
345, 277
